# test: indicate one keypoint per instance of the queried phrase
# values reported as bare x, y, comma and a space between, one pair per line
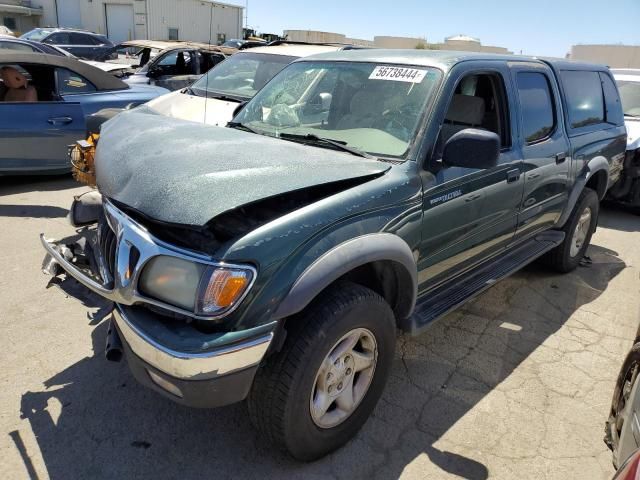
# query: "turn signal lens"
223, 290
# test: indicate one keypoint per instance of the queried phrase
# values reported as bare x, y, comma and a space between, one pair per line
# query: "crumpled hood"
187, 173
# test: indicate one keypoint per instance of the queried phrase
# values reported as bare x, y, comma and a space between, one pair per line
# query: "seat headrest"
466, 109
12, 78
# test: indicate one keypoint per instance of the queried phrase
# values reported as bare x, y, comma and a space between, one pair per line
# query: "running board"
450, 296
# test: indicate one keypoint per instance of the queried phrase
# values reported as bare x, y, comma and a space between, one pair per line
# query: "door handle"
513, 175
561, 157
60, 120
472, 197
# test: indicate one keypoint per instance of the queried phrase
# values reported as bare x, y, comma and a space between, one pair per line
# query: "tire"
564, 258
280, 401
618, 415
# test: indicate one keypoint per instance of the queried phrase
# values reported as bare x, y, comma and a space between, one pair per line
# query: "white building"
153, 19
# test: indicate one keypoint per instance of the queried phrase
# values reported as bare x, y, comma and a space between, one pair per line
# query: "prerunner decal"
398, 74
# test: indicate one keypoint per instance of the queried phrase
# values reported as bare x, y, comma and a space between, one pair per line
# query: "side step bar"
451, 295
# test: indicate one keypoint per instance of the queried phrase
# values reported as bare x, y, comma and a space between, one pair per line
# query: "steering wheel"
391, 122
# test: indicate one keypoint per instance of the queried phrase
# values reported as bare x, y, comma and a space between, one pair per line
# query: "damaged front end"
167, 303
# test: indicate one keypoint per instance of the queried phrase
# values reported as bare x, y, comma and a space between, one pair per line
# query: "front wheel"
578, 231
316, 393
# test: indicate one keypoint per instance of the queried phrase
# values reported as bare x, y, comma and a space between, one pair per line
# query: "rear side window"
584, 97
536, 105
70, 83
82, 39
17, 46
612, 102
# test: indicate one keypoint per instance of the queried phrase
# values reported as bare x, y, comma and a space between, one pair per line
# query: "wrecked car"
359, 192
167, 64
627, 189
212, 99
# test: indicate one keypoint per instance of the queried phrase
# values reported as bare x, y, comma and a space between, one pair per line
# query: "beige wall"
313, 36
615, 56
397, 42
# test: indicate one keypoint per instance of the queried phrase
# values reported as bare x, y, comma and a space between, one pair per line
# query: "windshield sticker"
398, 74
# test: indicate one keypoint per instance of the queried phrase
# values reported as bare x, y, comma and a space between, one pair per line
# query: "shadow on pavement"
618, 217
33, 211
110, 427
15, 184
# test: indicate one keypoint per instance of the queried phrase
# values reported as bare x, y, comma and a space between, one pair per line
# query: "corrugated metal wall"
192, 19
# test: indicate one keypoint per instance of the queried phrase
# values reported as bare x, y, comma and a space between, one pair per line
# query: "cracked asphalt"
516, 384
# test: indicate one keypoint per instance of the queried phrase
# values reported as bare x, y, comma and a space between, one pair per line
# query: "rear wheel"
578, 231
622, 407
316, 393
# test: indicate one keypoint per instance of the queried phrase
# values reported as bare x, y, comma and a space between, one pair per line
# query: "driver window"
176, 63
477, 102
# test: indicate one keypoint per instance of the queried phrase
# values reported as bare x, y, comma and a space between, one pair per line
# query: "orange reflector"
225, 287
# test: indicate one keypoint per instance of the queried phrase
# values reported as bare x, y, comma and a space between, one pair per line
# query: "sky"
535, 27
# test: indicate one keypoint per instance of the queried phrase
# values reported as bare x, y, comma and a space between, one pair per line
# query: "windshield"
630, 96
36, 34
240, 75
372, 108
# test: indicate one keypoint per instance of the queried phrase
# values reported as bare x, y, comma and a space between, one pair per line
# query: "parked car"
172, 65
356, 193
212, 99
22, 45
627, 189
621, 429
215, 96
35, 135
81, 43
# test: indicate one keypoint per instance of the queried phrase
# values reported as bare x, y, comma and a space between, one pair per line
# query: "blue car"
46, 113
82, 44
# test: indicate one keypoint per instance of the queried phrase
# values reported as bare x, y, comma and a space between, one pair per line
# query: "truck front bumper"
203, 379
174, 358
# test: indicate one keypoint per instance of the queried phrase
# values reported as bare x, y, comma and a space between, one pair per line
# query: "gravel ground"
516, 384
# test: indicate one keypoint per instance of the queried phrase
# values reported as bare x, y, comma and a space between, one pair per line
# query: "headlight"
202, 289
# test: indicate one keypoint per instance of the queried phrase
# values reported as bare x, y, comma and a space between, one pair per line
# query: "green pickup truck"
358, 193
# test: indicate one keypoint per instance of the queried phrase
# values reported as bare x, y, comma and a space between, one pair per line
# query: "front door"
471, 214
544, 146
175, 69
35, 136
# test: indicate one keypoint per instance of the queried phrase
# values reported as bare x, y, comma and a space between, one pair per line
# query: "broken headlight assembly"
206, 290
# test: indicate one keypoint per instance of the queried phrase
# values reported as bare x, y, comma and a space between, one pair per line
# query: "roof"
295, 50
462, 38
442, 59
101, 80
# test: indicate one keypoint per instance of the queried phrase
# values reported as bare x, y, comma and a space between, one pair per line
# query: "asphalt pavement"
516, 384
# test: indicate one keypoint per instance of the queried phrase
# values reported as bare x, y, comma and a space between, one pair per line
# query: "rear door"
545, 148
35, 136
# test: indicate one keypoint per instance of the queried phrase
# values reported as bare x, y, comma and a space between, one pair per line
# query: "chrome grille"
107, 241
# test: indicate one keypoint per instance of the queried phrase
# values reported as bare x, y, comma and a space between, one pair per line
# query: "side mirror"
325, 101
239, 108
472, 148
153, 72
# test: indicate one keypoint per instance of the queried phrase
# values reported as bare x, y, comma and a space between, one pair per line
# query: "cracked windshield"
369, 107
